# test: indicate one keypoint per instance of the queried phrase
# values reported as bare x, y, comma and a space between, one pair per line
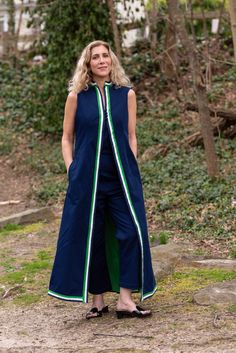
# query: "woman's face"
100, 63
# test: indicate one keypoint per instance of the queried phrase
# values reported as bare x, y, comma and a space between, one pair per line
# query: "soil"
53, 326
14, 186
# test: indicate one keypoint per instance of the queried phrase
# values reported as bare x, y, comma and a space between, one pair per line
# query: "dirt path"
14, 185
54, 326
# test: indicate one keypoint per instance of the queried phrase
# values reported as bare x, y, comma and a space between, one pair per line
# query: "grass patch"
27, 299
232, 308
17, 229
163, 238
8, 264
5, 143
26, 272
32, 276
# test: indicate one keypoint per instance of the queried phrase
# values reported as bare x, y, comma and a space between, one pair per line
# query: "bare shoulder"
72, 97
131, 94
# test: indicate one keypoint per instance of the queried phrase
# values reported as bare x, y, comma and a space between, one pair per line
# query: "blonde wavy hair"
83, 76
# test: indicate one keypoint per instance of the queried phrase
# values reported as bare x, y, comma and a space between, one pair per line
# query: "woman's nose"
101, 58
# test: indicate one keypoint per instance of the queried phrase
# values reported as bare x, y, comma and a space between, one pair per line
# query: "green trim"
107, 83
149, 294
66, 297
112, 253
94, 190
124, 181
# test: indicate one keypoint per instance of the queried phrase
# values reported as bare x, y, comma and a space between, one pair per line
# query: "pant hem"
129, 286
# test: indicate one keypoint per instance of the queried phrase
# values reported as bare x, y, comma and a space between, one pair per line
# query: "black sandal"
94, 312
139, 312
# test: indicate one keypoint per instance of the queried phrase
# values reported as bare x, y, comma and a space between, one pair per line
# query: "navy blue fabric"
110, 198
68, 273
106, 142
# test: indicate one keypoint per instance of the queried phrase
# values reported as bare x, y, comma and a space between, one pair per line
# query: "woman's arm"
67, 141
132, 108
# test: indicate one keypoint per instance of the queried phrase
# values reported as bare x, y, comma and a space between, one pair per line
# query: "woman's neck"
101, 81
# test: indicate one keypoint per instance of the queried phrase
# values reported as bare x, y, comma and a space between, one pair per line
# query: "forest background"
184, 77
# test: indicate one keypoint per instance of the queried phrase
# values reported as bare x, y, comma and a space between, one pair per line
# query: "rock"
165, 258
162, 269
216, 263
220, 293
28, 216
169, 253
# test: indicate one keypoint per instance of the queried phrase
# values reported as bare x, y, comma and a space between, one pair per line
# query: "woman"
103, 239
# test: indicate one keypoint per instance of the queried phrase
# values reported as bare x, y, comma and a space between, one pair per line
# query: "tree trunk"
112, 10
11, 31
153, 29
232, 11
171, 56
17, 32
199, 87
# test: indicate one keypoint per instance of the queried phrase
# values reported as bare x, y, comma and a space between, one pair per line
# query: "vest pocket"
69, 169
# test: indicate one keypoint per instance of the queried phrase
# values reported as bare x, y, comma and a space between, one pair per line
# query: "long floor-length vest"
70, 273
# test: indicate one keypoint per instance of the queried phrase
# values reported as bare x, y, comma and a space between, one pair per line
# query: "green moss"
186, 281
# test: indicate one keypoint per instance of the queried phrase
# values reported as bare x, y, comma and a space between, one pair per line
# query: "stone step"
28, 216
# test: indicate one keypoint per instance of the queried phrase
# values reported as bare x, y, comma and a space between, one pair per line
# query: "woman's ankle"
98, 301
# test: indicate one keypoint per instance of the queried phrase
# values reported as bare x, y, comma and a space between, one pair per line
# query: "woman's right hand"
68, 167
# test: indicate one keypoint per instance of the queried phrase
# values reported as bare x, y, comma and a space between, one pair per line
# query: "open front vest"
70, 273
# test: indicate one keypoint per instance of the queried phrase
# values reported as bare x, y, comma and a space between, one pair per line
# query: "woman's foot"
127, 305
127, 308
94, 312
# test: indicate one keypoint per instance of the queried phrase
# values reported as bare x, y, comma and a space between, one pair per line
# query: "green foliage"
10, 227
233, 253
37, 98
187, 200
67, 29
163, 238
50, 190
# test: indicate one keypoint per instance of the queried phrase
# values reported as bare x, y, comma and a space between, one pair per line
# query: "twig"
216, 317
9, 202
125, 335
9, 291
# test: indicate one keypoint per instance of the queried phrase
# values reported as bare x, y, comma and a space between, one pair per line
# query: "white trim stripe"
147, 295
66, 297
94, 191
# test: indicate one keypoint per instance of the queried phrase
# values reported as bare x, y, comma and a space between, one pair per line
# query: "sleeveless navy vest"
70, 273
